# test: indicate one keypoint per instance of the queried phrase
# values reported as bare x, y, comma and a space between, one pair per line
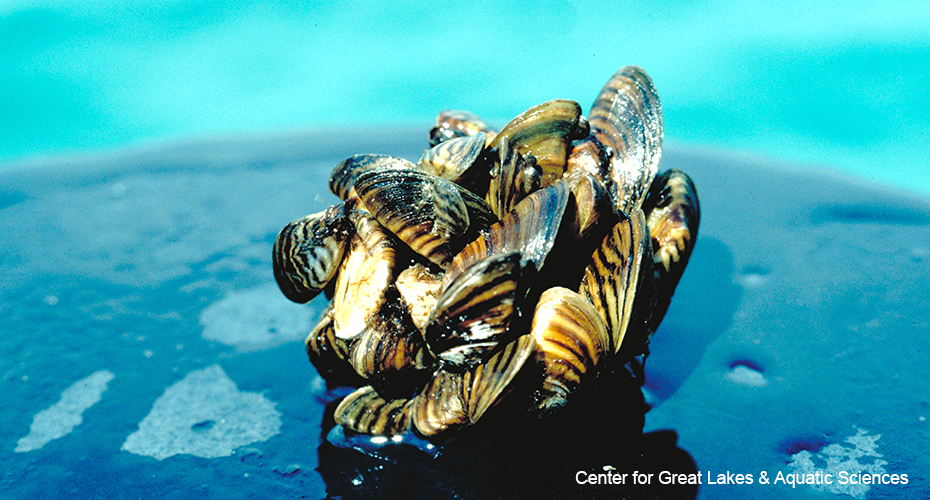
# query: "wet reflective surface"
146, 351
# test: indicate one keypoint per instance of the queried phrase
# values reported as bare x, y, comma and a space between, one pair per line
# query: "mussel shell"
454, 159
367, 412
612, 279
544, 131
530, 228
593, 205
366, 273
588, 217
513, 177
329, 353
488, 382
420, 287
441, 405
451, 124
480, 214
308, 251
474, 312
425, 211
453, 399
626, 137
571, 338
342, 179
391, 346
673, 215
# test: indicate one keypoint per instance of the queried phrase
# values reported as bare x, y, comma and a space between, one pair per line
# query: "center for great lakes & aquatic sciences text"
793, 479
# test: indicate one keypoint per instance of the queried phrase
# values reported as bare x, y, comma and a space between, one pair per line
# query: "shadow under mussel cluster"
507, 456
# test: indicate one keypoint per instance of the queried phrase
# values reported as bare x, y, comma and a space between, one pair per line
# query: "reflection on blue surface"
841, 85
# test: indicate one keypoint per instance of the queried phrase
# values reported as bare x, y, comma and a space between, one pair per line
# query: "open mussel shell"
391, 345
367, 412
424, 211
625, 143
571, 337
369, 315
342, 179
475, 310
308, 251
364, 277
544, 131
419, 286
613, 277
451, 124
454, 399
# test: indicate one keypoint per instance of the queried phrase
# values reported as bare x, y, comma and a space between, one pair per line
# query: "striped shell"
505, 273
571, 339
513, 177
453, 399
475, 310
425, 211
611, 279
530, 229
455, 160
329, 353
625, 143
451, 124
545, 131
368, 412
342, 179
308, 251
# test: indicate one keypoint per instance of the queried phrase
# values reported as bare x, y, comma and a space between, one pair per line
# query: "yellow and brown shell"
509, 267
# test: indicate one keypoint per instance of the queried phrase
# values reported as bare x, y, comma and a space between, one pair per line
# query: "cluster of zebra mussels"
546, 252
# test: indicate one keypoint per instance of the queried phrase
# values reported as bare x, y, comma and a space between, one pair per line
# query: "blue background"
839, 85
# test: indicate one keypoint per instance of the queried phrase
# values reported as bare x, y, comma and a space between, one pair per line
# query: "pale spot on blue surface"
204, 415
257, 318
745, 375
62, 417
754, 277
863, 458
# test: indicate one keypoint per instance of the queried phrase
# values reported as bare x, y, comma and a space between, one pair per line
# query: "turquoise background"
839, 85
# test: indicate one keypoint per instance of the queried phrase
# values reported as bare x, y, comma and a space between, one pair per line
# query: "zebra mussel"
504, 268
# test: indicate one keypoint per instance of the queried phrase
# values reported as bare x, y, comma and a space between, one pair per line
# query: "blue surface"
146, 351
842, 85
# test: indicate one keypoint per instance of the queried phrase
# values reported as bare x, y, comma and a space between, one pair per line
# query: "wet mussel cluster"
504, 269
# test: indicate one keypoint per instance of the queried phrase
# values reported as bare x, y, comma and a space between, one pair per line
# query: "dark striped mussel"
501, 276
